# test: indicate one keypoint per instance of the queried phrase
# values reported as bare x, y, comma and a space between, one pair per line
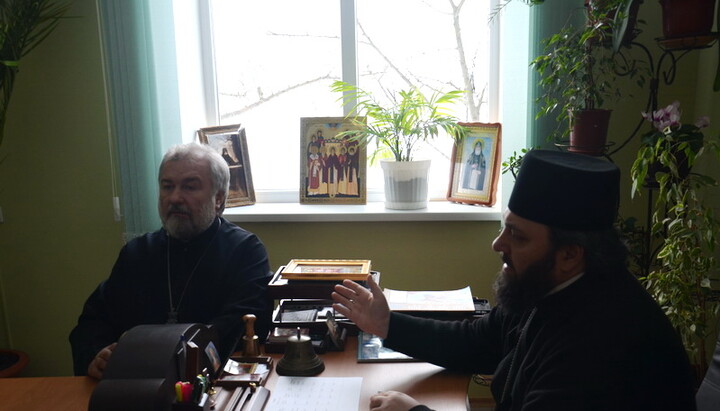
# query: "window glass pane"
435, 46
275, 61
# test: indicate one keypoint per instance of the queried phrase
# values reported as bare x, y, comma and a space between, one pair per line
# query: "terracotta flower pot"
589, 131
684, 18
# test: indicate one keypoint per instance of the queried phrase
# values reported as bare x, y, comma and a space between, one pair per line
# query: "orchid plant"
666, 121
683, 237
669, 143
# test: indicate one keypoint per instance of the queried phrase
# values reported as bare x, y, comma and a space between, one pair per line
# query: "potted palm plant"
578, 74
397, 129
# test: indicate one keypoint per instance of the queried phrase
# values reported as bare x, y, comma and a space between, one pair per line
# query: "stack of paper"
431, 301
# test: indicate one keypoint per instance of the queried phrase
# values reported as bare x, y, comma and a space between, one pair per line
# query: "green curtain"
141, 77
547, 19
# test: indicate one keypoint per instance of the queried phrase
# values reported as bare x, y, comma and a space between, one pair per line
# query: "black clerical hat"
566, 190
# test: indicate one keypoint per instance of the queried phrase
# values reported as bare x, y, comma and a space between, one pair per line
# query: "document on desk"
315, 393
430, 301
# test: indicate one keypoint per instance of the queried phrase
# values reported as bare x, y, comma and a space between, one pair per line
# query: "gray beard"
185, 230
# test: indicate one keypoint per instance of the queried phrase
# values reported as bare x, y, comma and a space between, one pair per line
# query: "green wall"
409, 255
59, 238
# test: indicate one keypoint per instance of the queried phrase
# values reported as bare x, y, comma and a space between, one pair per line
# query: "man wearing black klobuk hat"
572, 329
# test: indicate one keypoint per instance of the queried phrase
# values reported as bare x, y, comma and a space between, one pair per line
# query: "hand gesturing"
368, 309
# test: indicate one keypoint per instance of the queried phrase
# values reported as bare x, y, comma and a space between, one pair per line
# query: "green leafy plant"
684, 225
579, 69
512, 164
23, 25
398, 127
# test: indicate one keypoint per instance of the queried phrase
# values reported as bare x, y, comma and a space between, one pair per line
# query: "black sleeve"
85, 338
245, 293
472, 346
420, 408
94, 330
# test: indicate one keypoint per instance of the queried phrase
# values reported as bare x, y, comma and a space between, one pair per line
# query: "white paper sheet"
448, 300
315, 394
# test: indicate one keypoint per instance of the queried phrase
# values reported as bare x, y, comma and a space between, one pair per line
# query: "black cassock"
216, 278
599, 344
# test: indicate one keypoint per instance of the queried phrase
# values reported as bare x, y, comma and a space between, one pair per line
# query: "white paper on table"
431, 301
315, 394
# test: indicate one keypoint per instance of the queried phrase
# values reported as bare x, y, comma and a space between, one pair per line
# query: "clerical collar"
564, 285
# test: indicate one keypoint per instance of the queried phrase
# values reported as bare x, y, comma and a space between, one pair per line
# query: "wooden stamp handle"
249, 325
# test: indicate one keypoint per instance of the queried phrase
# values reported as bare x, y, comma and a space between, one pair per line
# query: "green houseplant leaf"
24, 25
398, 127
684, 225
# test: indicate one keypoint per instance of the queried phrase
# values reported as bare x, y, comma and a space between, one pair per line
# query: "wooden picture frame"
474, 174
332, 169
231, 143
336, 270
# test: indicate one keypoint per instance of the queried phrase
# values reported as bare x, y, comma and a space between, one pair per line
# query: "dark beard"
517, 293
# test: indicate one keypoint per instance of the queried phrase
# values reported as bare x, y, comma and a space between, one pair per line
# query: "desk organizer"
148, 361
310, 314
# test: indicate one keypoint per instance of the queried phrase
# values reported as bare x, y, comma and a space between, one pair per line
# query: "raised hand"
368, 309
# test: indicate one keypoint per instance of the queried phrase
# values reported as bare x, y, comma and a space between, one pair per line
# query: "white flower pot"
406, 184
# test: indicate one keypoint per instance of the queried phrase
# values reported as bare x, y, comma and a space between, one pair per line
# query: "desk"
46, 393
429, 384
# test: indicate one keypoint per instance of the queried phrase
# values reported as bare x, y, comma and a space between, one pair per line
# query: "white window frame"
199, 105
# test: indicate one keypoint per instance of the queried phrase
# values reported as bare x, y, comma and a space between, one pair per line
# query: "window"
274, 62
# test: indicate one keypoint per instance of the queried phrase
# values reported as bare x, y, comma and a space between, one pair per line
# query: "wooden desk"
46, 393
429, 384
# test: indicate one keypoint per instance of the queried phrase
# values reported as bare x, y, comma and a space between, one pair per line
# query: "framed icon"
476, 165
231, 143
332, 168
338, 270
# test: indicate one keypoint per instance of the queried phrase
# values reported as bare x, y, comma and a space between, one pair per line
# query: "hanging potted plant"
578, 73
686, 18
667, 127
397, 129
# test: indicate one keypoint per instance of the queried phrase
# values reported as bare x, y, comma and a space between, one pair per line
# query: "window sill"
372, 211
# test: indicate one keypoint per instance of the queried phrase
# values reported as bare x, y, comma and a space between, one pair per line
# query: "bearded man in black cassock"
572, 329
199, 268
